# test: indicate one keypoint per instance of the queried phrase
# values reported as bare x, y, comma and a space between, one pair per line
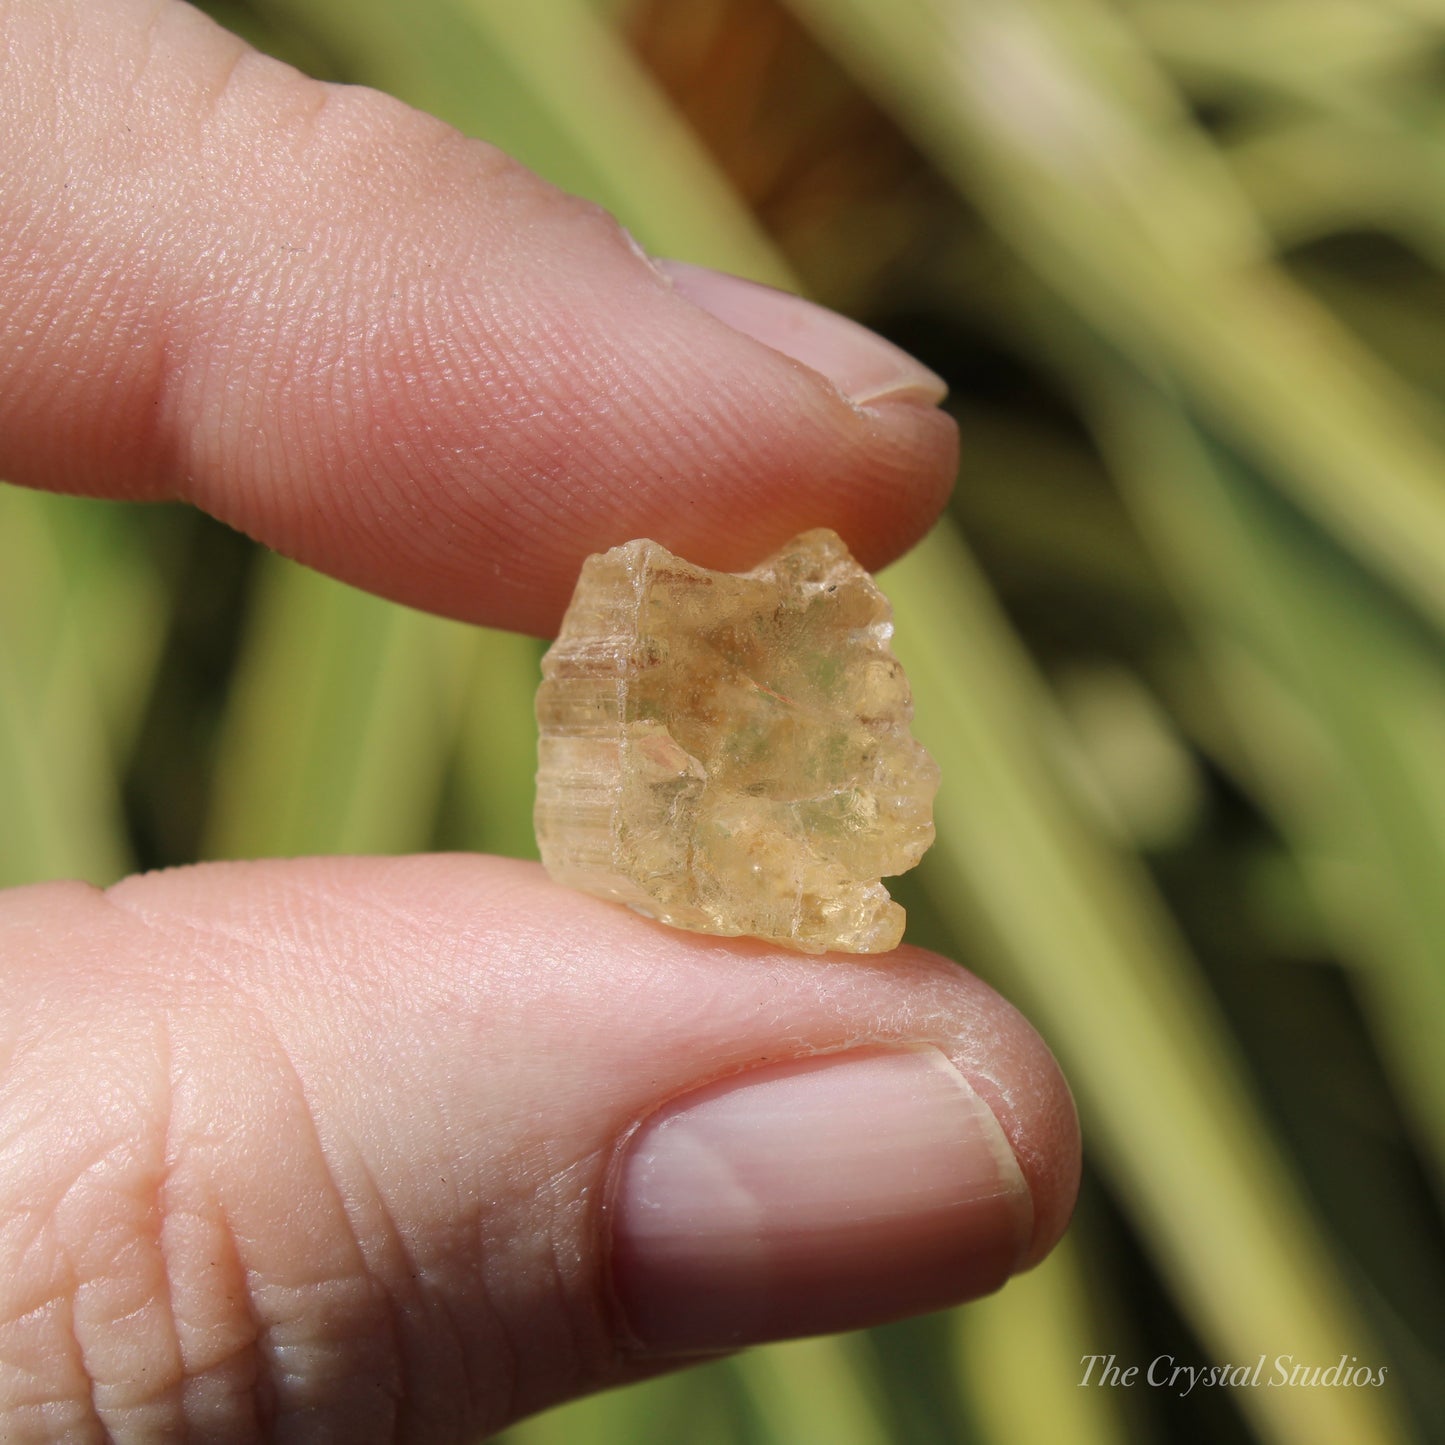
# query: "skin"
313, 1149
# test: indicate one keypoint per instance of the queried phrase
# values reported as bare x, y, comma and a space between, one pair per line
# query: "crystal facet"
730, 753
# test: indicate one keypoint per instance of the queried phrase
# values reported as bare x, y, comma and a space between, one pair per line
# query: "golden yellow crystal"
731, 753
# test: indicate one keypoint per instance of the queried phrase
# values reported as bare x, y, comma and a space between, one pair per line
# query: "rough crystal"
731, 753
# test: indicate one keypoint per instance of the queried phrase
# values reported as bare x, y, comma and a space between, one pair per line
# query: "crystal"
730, 753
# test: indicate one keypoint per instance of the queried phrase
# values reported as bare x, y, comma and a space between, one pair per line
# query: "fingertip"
678, 1143
1041, 1123
891, 519
385, 350
1014, 1071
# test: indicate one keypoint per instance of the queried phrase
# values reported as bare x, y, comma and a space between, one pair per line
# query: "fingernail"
860, 363
814, 1196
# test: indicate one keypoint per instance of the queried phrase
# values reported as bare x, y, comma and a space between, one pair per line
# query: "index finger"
394, 354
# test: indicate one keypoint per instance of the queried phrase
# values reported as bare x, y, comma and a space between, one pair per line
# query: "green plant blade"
342, 717
1363, 797
1081, 939
819, 1389
1021, 1354
81, 618
1051, 115
496, 758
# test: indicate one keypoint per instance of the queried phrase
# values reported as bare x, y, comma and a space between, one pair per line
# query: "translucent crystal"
730, 753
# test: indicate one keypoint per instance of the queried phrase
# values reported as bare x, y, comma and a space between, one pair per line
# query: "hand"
355, 1149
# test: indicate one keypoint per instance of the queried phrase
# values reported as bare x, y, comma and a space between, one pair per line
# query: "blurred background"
1179, 645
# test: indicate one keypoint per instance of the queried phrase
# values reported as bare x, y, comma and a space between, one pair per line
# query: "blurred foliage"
1179, 645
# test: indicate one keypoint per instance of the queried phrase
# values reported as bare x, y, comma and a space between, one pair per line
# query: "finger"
391, 352
403, 1149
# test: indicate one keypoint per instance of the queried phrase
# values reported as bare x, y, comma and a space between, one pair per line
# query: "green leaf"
81, 617
343, 714
1050, 115
1079, 937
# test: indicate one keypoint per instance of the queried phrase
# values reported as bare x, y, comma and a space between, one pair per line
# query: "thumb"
390, 351
374, 1149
